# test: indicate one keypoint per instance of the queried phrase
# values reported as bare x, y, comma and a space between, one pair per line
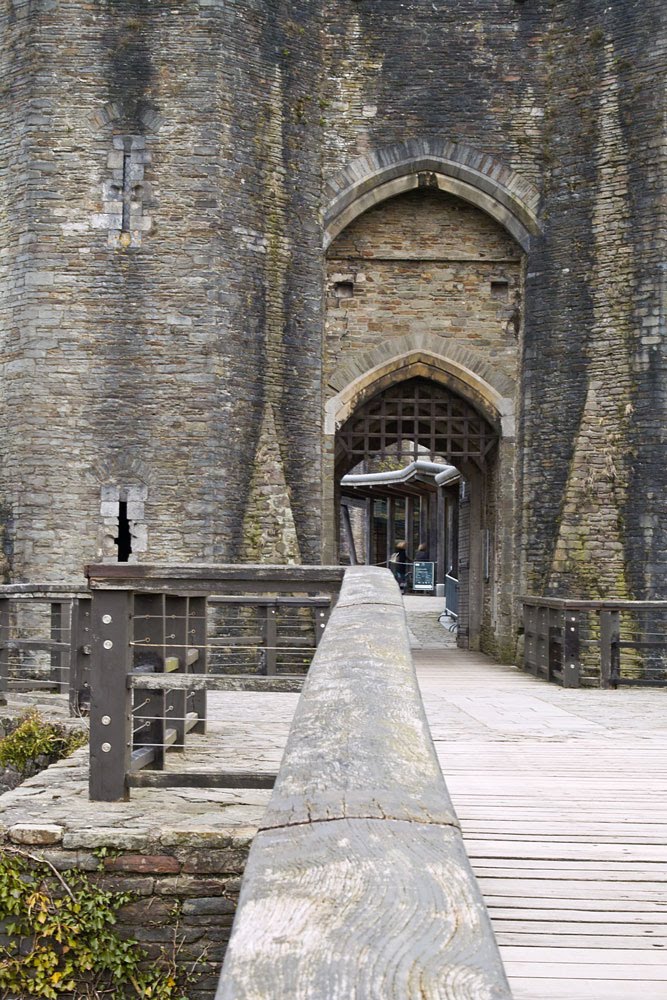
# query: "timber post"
610, 635
110, 707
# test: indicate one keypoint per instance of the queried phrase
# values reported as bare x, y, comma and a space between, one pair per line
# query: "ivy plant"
34, 738
59, 938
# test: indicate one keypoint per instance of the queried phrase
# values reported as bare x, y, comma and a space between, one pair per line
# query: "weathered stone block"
33, 833
151, 864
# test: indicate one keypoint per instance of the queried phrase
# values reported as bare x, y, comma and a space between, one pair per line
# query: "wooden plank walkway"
561, 796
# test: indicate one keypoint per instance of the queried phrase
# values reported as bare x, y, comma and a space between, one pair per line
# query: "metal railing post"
571, 649
110, 707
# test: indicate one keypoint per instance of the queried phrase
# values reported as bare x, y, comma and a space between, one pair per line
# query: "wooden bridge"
558, 793
561, 798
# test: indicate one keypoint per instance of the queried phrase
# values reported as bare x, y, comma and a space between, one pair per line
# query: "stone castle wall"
594, 378
163, 268
423, 264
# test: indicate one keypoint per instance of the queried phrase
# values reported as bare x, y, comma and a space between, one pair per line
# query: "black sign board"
423, 574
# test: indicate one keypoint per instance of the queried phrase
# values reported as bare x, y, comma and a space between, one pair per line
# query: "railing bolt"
108, 644
106, 747
106, 720
107, 619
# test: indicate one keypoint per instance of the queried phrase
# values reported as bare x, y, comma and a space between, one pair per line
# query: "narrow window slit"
125, 223
124, 540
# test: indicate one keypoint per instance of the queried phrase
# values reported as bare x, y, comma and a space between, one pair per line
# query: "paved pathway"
561, 799
427, 629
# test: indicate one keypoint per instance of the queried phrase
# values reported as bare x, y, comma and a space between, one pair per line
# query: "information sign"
423, 574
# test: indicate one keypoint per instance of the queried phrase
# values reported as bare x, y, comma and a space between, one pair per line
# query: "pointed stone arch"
460, 170
460, 369
464, 373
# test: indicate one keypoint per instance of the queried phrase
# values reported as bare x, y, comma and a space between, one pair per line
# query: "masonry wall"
149, 361
594, 350
164, 357
424, 263
183, 894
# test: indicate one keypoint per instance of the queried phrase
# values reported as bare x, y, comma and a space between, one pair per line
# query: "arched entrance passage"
417, 419
424, 280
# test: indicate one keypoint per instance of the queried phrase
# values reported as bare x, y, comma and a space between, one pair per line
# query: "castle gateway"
251, 249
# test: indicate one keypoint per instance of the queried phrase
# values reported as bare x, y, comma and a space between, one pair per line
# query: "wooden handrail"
213, 579
42, 590
583, 604
358, 883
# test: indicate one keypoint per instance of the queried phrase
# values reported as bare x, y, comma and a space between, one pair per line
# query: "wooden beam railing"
608, 643
156, 631
45, 641
358, 884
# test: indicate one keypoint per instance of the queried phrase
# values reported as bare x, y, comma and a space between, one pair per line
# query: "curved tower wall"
163, 265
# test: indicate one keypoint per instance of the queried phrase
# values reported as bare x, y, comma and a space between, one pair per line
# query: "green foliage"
62, 938
35, 738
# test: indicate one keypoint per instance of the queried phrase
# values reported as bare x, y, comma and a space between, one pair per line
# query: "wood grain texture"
360, 743
216, 682
358, 885
562, 805
363, 909
213, 579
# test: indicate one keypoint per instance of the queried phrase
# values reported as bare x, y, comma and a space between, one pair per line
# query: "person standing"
399, 565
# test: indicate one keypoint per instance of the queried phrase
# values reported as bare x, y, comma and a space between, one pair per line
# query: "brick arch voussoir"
460, 170
462, 371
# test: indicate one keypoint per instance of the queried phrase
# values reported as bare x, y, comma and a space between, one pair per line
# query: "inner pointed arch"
460, 378
456, 169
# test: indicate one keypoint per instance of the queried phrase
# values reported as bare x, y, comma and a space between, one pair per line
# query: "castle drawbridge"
560, 795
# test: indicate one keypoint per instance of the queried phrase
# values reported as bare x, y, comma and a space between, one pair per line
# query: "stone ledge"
34, 833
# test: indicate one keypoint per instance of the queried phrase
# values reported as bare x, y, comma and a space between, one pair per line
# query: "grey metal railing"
605, 643
158, 635
358, 884
45, 641
451, 596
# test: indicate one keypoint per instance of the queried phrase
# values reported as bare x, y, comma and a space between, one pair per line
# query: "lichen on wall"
269, 533
589, 557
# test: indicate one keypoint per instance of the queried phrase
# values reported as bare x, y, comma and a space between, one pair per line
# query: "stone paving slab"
426, 629
246, 731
